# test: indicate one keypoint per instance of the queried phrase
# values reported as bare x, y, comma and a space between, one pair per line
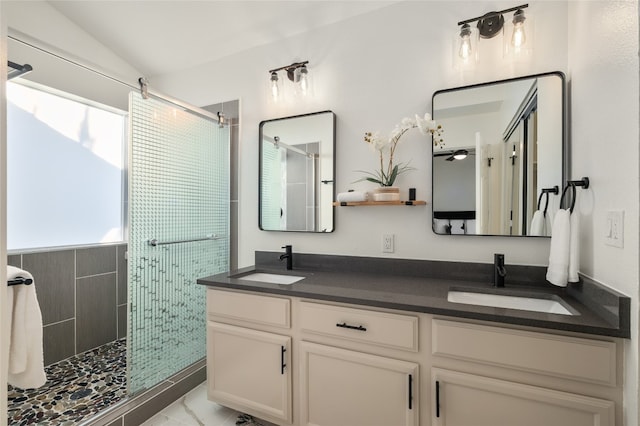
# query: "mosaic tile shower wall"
178, 190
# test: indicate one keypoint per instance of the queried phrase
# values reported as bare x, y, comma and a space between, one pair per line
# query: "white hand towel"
352, 196
26, 360
558, 270
537, 223
548, 223
574, 252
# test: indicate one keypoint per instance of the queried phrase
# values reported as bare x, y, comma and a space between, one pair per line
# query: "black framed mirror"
297, 173
505, 156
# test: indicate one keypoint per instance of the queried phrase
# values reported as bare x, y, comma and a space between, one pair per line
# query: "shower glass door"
178, 232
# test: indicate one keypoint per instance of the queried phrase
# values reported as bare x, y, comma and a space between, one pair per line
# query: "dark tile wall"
82, 295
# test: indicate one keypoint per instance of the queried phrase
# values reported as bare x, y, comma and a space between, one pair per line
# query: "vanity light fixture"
518, 38
297, 73
275, 86
466, 49
488, 26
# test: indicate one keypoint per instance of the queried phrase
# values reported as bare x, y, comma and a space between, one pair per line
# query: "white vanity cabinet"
344, 387
467, 398
471, 400
249, 369
294, 361
340, 386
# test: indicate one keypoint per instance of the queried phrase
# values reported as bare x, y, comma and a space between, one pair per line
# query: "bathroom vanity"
361, 341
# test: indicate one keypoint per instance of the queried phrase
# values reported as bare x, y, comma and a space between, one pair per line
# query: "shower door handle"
154, 242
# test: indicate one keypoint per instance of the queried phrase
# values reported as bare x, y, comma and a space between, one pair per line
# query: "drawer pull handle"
410, 392
351, 327
282, 363
437, 398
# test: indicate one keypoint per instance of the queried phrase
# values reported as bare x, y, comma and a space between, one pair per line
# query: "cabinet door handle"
351, 327
410, 391
437, 398
282, 363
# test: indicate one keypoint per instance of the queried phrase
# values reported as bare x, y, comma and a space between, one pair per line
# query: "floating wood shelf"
380, 203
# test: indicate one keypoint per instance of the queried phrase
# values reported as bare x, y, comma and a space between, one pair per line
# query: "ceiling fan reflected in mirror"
459, 154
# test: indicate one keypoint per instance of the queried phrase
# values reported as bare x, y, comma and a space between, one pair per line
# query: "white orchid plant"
388, 172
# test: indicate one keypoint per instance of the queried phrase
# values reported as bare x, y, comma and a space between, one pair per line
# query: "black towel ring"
584, 183
546, 202
573, 198
546, 192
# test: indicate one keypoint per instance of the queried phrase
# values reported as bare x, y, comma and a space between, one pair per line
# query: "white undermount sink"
511, 302
271, 278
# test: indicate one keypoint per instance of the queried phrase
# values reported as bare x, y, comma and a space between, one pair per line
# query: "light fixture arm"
290, 69
501, 12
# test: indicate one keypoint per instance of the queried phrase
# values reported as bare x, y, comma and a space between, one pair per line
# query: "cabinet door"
249, 370
342, 387
461, 399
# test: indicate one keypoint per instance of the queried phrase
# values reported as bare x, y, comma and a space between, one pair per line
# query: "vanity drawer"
253, 308
586, 360
378, 328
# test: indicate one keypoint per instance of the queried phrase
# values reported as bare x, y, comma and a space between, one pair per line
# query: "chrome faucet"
499, 271
288, 254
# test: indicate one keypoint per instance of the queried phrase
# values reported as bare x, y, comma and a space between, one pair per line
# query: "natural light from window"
65, 170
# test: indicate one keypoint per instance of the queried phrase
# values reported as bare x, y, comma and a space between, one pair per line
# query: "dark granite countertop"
422, 286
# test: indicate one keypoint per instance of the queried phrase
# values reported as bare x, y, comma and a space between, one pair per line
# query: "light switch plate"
614, 229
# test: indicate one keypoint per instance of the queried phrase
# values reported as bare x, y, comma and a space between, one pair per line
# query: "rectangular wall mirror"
504, 147
297, 173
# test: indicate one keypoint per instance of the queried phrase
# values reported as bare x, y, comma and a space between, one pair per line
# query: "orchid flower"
388, 173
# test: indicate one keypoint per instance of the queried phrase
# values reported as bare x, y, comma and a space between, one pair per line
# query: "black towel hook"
20, 281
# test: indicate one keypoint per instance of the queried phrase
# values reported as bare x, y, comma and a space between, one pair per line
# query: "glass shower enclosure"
172, 201
179, 232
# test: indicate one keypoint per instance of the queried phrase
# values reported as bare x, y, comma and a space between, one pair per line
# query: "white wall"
603, 68
372, 71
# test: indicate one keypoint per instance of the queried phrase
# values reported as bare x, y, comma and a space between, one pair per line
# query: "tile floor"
77, 388
194, 409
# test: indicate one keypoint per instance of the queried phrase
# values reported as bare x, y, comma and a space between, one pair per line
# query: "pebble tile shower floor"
77, 388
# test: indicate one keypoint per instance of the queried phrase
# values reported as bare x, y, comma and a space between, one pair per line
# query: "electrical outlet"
387, 243
614, 230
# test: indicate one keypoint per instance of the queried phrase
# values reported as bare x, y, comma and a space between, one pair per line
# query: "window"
65, 170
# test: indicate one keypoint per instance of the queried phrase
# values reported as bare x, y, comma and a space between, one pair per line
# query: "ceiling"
160, 37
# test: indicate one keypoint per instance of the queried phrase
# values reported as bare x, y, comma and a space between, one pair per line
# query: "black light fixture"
490, 25
297, 73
